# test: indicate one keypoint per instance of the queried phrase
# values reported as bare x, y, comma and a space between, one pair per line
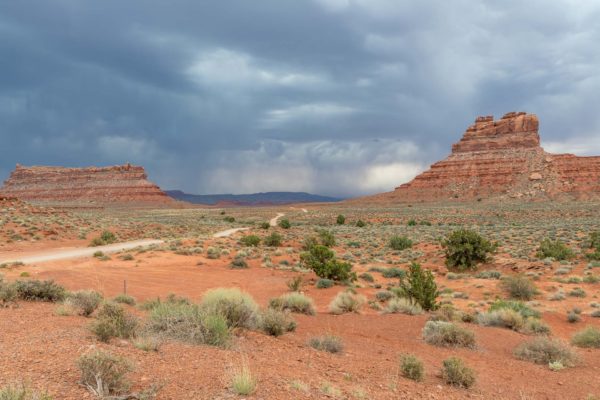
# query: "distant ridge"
267, 198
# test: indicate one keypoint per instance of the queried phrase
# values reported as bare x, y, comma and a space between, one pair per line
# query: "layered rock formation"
83, 186
503, 159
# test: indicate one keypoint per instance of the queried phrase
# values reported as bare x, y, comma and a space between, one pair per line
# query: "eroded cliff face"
503, 159
105, 185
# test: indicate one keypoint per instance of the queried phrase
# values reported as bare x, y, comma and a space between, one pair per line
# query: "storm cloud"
336, 97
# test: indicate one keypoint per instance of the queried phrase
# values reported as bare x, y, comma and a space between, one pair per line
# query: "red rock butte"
502, 159
121, 184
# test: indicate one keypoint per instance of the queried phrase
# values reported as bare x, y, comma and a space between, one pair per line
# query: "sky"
335, 97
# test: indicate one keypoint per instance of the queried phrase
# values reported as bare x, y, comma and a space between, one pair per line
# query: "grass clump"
587, 338
402, 306
420, 287
328, 343
22, 392
295, 284
243, 382
104, 374
456, 373
85, 301
543, 350
412, 367
294, 302
504, 318
554, 249
238, 262
517, 306
346, 302
114, 321
34, 290
400, 243
519, 287
8, 293
448, 334
238, 308
465, 249
324, 283
276, 322
250, 240
124, 299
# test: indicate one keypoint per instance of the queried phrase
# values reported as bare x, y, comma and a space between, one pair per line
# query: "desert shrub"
276, 322
106, 237
411, 367
328, 343
238, 308
243, 382
22, 392
8, 293
595, 240
189, 323
543, 350
85, 301
346, 302
265, 225
384, 295
588, 337
148, 342
554, 249
325, 283
573, 317
250, 240
322, 260
519, 287
456, 373
402, 306
295, 284
114, 321
517, 306
448, 334
229, 219
327, 238
294, 302
536, 327
124, 299
504, 318
284, 223
577, 292
411, 222
400, 243
273, 240
360, 223
488, 275
365, 276
419, 287
238, 263
213, 253
104, 374
34, 290
393, 273
465, 249
340, 220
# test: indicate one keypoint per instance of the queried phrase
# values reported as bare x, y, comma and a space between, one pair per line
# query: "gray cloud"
340, 97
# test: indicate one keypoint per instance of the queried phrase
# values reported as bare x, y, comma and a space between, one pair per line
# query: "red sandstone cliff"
83, 186
502, 159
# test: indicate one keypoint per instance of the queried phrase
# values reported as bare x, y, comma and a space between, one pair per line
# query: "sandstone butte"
502, 160
121, 184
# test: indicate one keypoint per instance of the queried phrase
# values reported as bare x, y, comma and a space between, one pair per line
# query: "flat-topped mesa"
102, 185
515, 130
500, 160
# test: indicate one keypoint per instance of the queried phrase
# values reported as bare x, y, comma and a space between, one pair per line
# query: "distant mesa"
502, 160
120, 184
254, 199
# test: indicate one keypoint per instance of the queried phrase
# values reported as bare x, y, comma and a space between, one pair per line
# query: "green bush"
393, 273
273, 240
346, 302
239, 308
229, 219
104, 374
595, 240
456, 373
327, 238
276, 322
554, 249
34, 290
265, 225
325, 283
420, 287
340, 220
411, 367
114, 321
400, 243
124, 299
250, 240
322, 260
587, 338
328, 343
360, 223
465, 249
238, 263
448, 334
519, 287
106, 237
86, 301
411, 222
284, 223
544, 351
294, 302
517, 306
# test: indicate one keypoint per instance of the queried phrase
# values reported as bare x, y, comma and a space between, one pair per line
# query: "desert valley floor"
40, 342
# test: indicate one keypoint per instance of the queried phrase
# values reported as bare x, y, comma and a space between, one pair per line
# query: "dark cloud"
340, 97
